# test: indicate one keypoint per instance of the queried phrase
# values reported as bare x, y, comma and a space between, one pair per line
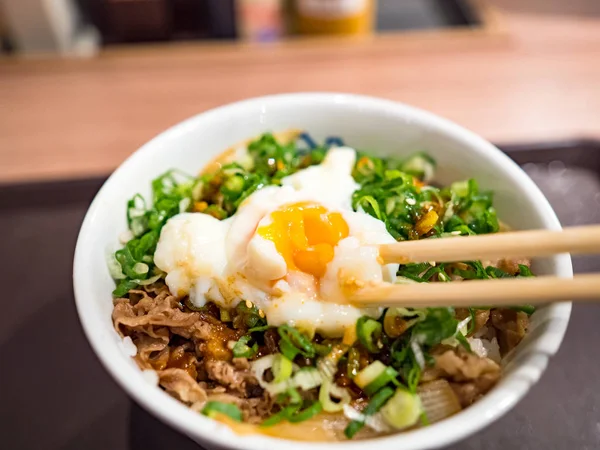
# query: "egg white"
191, 251
331, 181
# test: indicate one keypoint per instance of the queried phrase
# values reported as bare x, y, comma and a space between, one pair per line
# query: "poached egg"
295, 251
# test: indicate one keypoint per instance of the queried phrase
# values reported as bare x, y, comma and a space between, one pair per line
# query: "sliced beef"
271, 342
238, 380
182, 386
189, 350
157, 313
481, 317
460, 365
511, 327
211, 336
470, 375
147, 312
471, 391
152, 352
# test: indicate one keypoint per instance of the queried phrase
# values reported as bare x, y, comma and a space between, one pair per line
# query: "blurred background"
83, 27
511, 70
84, 83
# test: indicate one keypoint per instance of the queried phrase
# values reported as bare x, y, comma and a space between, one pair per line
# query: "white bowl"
381, 126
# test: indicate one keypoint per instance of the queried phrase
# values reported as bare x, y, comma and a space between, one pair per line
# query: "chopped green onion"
289, 397
368, 332
353, 427
439, 324
413, 376
259, 329
284, 414
524, 271
288, 349
322, 350
387, 376
462, 340
402, 410
224, 315
282, 368
527, 309
114, 267
170, 190
473, 321
123, 288
184, 204
292, 412
420, 165
376, 403
405, 361
213, 409
234, 184
306, 413
370, 206
353, 362
460, 188
328, 390
148, 281
291, 337
249, 316
307, 378
494, 272
241, 349
148, 259
197, 188
369, 374
141, 268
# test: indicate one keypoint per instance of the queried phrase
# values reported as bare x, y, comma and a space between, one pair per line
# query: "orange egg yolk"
305, 234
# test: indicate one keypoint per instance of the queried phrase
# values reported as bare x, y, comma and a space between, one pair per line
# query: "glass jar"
350, 17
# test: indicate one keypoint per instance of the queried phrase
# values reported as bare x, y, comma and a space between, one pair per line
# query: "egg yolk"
305, 234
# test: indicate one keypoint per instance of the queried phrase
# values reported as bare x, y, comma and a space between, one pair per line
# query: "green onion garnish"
213, 409
282, 368
387, 376
527, 309
293, 342
374, 405
241, 349
368, 332
284, 414
306, 413
353, 362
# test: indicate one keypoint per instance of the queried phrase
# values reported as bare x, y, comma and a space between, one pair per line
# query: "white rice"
128, 347
150, 376
486, 348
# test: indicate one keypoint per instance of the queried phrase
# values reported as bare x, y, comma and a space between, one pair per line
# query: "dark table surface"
55, 395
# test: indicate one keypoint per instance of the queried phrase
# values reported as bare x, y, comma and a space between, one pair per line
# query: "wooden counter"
537, 80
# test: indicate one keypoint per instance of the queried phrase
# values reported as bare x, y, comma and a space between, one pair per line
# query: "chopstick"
495, 292
512, 244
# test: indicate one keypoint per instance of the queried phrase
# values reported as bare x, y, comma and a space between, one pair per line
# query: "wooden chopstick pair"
495, 292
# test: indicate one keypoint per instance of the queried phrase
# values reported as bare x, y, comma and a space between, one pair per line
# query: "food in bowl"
233, 287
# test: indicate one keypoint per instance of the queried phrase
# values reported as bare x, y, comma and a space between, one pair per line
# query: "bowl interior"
382, 127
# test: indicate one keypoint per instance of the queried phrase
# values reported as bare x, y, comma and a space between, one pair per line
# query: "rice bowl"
366, 123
